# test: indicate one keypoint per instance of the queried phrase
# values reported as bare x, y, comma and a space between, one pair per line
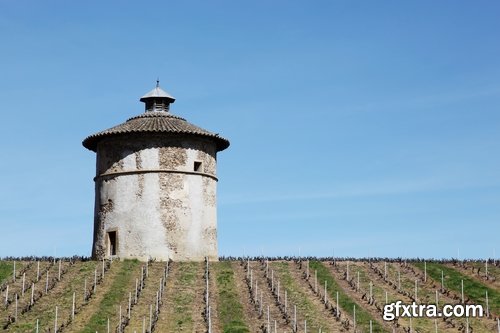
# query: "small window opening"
112, 243
197, 166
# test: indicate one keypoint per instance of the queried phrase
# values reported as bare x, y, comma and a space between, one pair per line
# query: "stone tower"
155, 186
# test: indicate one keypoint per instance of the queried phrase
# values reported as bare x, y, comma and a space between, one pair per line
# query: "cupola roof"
157, 119
157, 93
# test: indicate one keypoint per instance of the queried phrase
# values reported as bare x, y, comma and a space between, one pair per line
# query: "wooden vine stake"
425, 271
337, 305
325, 292
55, 322
120, 319
129, 304
399, 278
354, 316
251, 279
463, 296
416, 290
207, 304
209, 320
47, 283
73, 308
279, 291
95, 280
24, 280
316, 281
136, 290
32, 294
158, 303
142, 276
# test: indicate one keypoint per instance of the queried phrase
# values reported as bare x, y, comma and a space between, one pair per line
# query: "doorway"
112, 243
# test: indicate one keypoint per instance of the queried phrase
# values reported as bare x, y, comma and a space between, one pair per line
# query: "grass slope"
5, 270
345, 302
117, 292
180, 312
299, 297
230, 309
473, 289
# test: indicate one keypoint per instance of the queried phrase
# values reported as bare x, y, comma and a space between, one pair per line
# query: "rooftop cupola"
157, 99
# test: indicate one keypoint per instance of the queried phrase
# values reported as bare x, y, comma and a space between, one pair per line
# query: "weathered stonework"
156, 189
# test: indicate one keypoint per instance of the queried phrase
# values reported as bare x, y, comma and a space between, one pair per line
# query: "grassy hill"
239, 295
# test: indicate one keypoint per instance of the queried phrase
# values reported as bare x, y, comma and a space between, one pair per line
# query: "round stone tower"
155, 186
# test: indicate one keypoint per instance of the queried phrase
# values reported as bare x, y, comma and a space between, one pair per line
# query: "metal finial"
157, 82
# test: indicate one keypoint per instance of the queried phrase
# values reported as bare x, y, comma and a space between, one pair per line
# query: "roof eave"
92, 141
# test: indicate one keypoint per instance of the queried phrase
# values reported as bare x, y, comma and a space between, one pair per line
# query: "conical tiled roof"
155, 122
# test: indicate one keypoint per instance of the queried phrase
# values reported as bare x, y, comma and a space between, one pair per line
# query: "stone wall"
149, 193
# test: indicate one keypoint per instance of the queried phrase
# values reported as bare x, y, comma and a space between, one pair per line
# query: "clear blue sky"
368, 127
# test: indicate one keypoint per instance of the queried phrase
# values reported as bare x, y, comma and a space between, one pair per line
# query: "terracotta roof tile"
155, 122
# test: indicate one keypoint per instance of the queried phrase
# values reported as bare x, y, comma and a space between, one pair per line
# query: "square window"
198, 166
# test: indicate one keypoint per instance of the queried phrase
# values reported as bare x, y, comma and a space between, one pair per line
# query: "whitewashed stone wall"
148, 192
